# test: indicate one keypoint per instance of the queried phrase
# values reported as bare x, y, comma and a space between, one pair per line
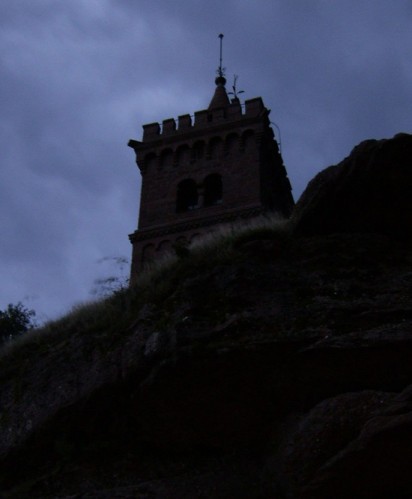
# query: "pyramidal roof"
220, 98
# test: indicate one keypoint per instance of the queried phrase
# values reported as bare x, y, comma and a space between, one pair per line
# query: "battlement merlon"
185, 122
253, 108
151, 131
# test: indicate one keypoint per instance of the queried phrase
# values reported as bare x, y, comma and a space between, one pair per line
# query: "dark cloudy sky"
80, 77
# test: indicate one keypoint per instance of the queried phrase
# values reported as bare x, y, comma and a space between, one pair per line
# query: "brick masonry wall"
240, 148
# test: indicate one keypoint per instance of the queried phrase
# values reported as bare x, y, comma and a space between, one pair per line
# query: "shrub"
14, 321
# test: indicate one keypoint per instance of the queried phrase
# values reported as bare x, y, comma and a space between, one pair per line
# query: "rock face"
370, 191
284, 373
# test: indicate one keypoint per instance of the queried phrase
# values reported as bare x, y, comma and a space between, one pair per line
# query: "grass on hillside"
103, 320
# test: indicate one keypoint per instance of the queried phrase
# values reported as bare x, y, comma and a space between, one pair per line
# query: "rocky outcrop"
284, 372
354, 445
368, 192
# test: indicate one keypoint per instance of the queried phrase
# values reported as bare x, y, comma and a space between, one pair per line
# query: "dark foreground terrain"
281, 371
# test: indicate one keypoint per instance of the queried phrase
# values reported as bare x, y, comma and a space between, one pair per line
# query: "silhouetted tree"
111, 284
15, 320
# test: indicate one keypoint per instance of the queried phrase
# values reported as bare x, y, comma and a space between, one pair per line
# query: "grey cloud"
79, 78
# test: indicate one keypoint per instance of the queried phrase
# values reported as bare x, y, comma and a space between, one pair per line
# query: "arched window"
149, 161
164, 247
181, 241
187, 197
248, 141
198, 150
232, 144
212, 189
216, 148
166, 158
183, 155
148, 253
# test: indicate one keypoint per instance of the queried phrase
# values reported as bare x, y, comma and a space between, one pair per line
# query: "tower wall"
222, 166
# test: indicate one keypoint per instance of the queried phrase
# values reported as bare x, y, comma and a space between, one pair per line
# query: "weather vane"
235, 92
221, 70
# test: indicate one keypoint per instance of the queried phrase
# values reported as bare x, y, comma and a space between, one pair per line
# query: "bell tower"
219, 166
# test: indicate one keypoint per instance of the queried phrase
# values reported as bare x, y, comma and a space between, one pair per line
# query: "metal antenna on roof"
221, 70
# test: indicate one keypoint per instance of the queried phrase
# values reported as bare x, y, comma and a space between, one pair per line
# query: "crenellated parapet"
204, 118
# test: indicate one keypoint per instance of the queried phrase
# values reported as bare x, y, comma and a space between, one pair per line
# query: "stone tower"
219, 166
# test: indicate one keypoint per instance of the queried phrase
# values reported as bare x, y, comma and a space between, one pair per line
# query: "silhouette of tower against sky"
221, 165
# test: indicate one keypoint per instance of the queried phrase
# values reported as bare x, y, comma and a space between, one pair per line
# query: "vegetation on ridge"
99, 322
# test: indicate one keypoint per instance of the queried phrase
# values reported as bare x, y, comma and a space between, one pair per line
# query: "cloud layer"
79, 78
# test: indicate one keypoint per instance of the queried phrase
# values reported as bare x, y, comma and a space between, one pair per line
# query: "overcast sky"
79, 78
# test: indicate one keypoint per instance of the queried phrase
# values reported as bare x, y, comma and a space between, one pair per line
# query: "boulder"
375, 464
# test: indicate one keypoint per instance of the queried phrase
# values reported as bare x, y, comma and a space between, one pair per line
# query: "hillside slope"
274, 363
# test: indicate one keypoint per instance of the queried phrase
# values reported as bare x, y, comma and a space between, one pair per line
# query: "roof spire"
220, 80
220, 70
220, 98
